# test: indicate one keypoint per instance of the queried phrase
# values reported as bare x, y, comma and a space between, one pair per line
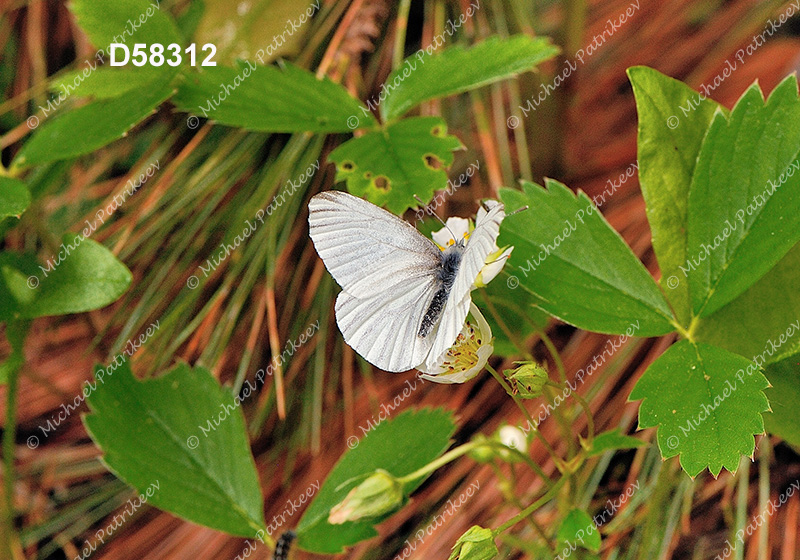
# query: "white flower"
454, 226
468, 355
460, 228
513, 437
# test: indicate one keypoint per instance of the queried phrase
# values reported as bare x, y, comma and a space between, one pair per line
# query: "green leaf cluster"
395, 160
722, 190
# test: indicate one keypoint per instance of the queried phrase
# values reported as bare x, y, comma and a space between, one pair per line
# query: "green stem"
441, 461
9, 435
562, 373
16, 331
528, 461
531, 508
511, 336
512, 499
589, 419
556, 459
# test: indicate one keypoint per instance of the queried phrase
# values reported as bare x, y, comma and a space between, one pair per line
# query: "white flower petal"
495, 263
458, 227
468, 355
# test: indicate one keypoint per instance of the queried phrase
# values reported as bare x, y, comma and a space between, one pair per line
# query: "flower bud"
528, 379
513, 437
482, 453
476, 544
379, 494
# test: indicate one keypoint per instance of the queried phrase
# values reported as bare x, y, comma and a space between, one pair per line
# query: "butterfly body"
446, 276
403, 300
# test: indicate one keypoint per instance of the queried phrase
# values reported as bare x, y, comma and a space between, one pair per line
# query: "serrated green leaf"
707, 404
673, 120
744, 328
784, 399
400, 446
744, 201
14, 197
88, 128
271, 99
125, 21
577, 266
457, 69
578, 529
103, 83
88, 277
613, 440
145, 430
390, 166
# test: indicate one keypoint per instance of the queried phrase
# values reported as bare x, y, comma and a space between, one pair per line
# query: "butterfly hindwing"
383, 329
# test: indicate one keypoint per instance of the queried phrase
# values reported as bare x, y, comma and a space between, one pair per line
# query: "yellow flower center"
463, 355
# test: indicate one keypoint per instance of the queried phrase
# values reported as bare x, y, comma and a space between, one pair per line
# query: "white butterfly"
403, 301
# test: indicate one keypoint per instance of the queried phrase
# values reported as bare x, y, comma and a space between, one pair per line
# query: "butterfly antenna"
435, 215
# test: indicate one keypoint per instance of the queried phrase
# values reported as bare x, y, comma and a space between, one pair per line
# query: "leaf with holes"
185, 433
707, 404
744, 201
390, 166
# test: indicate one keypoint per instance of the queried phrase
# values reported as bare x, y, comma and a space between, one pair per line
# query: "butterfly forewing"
366, 249
387, 271
480, 245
